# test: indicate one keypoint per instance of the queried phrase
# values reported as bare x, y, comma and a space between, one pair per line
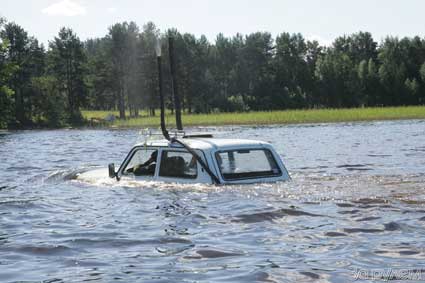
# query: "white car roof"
206, 143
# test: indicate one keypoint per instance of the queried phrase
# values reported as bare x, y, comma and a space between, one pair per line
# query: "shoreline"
95, 119
281, 117
172, 126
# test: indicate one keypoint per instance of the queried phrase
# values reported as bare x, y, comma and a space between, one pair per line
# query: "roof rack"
152, 134
198, 135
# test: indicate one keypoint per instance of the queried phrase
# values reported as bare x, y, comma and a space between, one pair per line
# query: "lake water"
355, 210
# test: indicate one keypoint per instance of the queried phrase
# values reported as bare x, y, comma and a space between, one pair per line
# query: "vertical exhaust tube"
174, 84
161, 95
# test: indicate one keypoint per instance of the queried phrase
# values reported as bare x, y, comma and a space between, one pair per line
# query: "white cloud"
111, 10
66, 8
322, 41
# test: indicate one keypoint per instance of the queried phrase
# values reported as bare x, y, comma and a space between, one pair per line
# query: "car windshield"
142, 162
247, 163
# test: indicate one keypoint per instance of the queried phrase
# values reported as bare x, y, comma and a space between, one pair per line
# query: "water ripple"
356, 202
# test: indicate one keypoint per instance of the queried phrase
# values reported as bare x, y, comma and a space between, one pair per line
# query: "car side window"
247, 163
178, 164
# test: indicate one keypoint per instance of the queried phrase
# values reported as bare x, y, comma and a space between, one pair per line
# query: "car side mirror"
111, 168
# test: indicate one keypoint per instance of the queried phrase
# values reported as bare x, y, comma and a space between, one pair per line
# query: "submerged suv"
199, 160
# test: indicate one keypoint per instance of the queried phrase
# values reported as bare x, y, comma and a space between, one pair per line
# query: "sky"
322, 20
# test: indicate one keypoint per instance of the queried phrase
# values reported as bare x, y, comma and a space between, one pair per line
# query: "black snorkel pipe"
161, 95
177, 108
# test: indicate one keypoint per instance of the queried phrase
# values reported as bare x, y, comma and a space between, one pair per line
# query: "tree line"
49, 86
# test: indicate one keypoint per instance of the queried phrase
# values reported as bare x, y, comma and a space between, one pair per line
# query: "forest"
48, 86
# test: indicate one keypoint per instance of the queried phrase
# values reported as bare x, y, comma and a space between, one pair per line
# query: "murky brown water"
355, 211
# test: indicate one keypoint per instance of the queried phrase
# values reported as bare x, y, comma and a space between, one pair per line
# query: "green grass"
270, 117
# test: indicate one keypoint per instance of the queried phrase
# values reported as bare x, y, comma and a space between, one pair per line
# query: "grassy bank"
270, 117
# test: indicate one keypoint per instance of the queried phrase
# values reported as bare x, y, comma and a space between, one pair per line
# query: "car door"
180, 166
